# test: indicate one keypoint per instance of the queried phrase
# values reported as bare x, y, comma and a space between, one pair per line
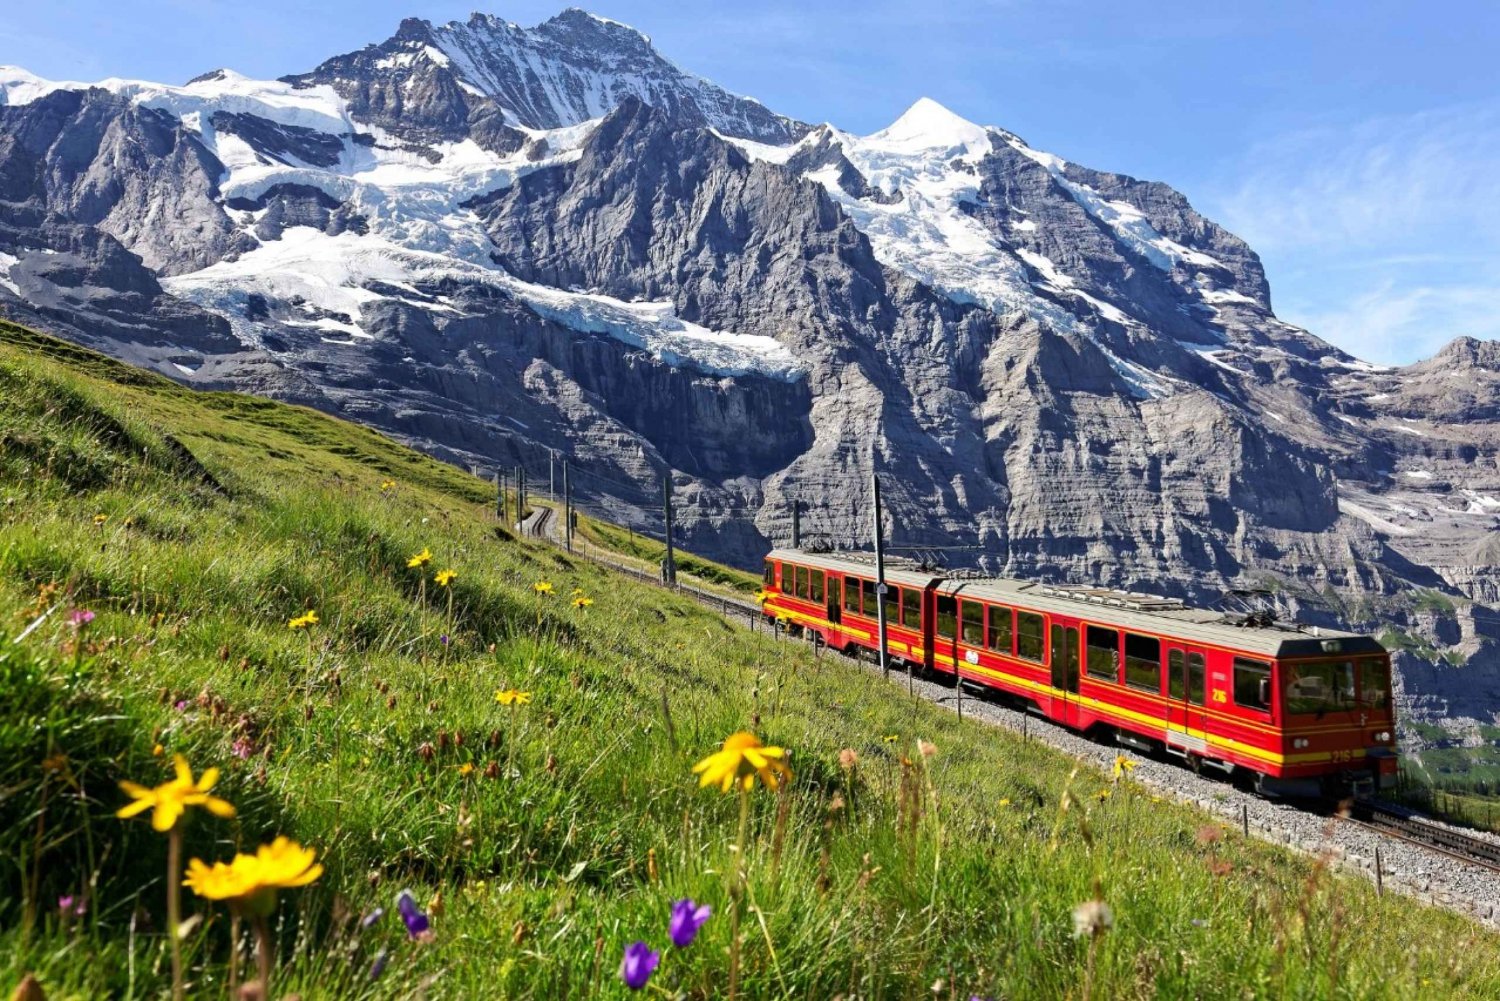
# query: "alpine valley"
499, 242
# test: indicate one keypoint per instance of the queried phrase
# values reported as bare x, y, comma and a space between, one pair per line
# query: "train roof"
1126, 609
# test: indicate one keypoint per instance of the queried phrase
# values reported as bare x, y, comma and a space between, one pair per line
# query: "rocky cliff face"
506, 244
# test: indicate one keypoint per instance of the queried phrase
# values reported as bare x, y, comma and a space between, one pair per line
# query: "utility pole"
567, 508
552, 476
885, 664
500, 496
796, 524
669, 566
521, 493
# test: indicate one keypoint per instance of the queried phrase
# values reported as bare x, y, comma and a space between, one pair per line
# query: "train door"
835, 610
1187, 691
1065, 672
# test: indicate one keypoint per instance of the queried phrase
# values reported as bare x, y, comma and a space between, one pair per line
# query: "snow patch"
1371, 517
8, 261
1417, 474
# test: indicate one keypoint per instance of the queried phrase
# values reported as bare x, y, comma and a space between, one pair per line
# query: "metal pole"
885, 664
552, 476
796, 524
1379, 878
500, 496
521, 504
670, 566
1245, 819
567, 508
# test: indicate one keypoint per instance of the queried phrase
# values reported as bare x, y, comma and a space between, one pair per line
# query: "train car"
1306, 711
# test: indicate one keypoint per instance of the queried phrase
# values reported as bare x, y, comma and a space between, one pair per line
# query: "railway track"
1387, 820
1399, 822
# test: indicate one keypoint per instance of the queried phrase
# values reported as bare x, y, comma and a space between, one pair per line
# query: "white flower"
1091, 918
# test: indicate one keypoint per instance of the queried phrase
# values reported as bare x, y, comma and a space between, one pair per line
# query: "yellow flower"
511, 697
582, 601
100, 519
254, 879
542, 587
1103, 795
741, 759
158, 751
578, 592
444, 577
387, 485
1123, 766
306, 619
170, 799
466, 768
1004, 801
890, 738
420, 560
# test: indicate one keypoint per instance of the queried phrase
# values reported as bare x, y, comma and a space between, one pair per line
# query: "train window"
1143, 662
911, 608
1317, 688
892, 604
1196, 692
815, 593
868, 587
1029, 636
947, 615
1252, 684
1103, 657
801, 581
851, 594
973, 618
997, 636
770, 574
1176, 675
1375, 684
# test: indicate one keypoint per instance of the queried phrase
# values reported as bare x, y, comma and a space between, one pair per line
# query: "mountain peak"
577, 17
929, 125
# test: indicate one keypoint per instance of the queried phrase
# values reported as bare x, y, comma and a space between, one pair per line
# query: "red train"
1307, 712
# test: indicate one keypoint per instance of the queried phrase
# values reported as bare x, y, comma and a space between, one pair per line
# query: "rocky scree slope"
494, 241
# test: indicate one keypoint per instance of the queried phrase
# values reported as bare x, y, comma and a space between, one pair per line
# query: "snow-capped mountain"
496, 241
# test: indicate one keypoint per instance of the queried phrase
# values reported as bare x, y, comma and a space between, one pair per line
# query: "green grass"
651, 552
907, 877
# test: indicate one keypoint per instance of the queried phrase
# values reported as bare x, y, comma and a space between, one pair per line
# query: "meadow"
515, 745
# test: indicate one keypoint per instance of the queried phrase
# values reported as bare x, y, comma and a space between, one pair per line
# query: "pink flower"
80, 617
242, 748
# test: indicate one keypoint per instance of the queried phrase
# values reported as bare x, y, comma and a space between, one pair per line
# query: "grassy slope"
594, 824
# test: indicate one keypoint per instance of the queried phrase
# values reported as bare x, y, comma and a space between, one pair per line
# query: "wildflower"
542, 587
1004, 801
890, 738
251, 881
687, 918
426, 751
417, 924
372, 919
466, 769
1219, 867
80, 617
303, 621
387, 485
443, 639
420, 560
578, 592
378, 966
741, 759
70, 906
848, 759
927, 748
1208, 834
582, 601
169, 800
1123, 767
638, 965
511, 697
100, 519
242, 748
1092, 917
444, 577
1103, 795
158, 751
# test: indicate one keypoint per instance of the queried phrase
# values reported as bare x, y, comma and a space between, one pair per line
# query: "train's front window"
1318, 687
1375, 684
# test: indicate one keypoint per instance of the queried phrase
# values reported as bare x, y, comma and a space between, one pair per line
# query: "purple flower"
72, 907
242, 749
369, 920
638, 965
687, 918
80, 617
445, 639
417, 925
378, 966
181, 705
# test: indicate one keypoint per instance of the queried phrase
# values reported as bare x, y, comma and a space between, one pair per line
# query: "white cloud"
1393, 325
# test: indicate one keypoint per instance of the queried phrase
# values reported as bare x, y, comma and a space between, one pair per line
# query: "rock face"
510, 244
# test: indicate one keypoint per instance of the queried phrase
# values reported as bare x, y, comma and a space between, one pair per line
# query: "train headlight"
1299, 742
1382, 737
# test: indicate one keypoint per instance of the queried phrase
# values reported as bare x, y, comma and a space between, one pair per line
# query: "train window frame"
911, 608
1381, 665
817, 586
945, 616
977, 639
1093, 665
1023, 616
1333, 686
1260, 671
1176, 675
892, 605
768, 577
852, 590
869, 598
1153, 672
1197, 681
1007, 616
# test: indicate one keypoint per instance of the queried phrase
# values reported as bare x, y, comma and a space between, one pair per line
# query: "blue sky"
1356, 145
